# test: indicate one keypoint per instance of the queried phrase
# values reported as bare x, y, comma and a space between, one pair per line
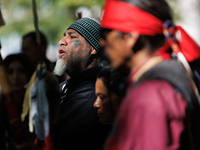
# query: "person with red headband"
161, 108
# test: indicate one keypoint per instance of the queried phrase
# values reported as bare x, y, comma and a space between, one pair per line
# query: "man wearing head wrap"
80, 55
160, 110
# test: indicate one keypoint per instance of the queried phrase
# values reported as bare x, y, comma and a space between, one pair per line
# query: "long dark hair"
113, 80
161, 10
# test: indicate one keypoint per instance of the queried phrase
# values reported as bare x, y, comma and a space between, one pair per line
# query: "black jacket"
78, 124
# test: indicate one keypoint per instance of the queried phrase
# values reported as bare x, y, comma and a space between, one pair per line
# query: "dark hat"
90, 30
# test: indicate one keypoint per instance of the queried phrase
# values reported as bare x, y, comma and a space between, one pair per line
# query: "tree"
54, 16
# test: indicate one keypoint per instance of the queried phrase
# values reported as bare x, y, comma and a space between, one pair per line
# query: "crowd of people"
125, 82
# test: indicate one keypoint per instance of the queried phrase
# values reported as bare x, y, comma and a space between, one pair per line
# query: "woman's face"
17, 76
103, 102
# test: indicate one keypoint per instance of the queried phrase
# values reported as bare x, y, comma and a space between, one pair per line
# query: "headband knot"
186, 45
169, 30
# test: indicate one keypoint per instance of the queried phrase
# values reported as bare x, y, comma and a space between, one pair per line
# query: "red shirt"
151, 117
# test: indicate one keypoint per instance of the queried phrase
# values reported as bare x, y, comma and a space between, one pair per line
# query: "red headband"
127, 18
124, 17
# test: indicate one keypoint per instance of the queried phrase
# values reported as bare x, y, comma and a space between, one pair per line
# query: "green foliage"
175, 9
54, 16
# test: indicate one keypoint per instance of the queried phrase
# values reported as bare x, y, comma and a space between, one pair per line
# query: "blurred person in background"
19, 70
30, 48
160, 110
110, 89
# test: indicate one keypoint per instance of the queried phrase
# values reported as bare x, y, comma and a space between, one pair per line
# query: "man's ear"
93, 51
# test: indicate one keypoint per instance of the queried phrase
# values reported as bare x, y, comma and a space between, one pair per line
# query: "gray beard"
60, 67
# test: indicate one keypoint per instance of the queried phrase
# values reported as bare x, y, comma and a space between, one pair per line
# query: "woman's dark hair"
161, 10
113, 80
22, 59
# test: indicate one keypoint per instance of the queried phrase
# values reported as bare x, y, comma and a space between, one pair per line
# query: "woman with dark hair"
110, 89
19, 69
160, 109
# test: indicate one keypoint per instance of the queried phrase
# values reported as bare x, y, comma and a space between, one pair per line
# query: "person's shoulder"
152, 96
150, 92
154, 86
